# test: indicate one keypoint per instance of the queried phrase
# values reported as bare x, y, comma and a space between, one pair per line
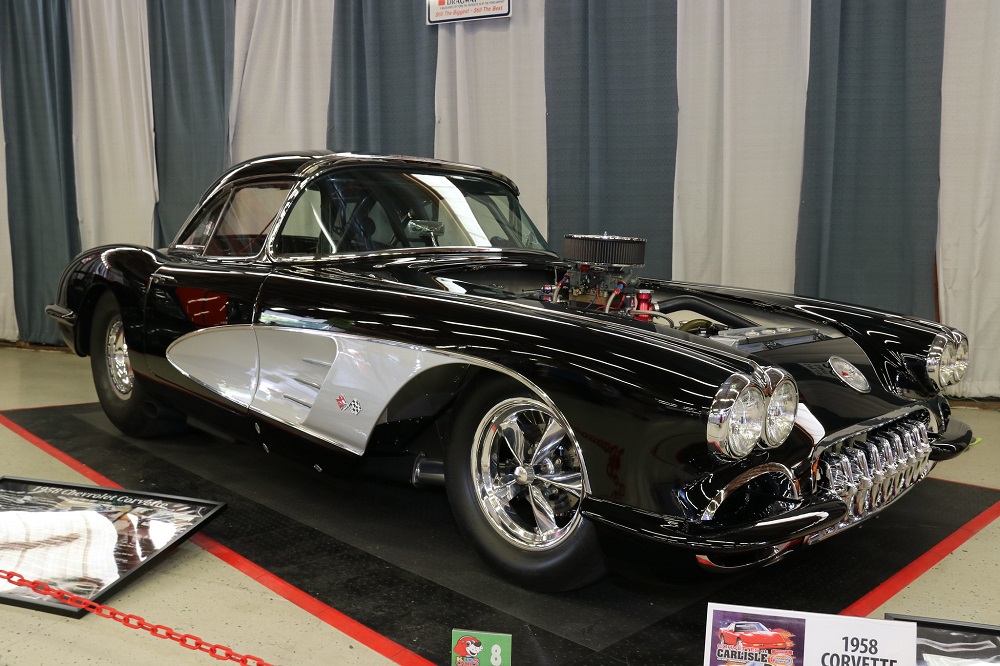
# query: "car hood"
859, 335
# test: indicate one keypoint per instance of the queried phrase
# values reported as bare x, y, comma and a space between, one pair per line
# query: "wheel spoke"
542, 510
514, 436
569, 481
553, 435
506, 490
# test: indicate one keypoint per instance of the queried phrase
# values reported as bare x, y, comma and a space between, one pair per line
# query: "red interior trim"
331, 616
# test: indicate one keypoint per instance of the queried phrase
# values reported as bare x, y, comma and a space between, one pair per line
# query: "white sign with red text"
447, 11
745, 636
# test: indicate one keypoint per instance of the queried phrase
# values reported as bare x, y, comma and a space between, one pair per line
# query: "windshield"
750, 626
367, 210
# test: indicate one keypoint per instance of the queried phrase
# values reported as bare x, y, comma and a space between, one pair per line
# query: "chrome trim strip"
307, 405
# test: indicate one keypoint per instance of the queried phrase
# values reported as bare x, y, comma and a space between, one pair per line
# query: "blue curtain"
191, 55
382, 78
868, 218
611, 97
38, 124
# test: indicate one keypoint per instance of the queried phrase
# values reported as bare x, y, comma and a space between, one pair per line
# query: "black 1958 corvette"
392, 307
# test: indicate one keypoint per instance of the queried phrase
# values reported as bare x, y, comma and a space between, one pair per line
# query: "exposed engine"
600, 279
600, 276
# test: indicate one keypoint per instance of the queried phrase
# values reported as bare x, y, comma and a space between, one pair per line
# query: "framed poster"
950, 643
87, 540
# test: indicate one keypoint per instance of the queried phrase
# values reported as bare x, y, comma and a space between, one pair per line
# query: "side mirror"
416, 229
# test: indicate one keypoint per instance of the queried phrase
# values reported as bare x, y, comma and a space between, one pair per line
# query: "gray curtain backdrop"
190, 57
38, 124
611, 94
868, 219
382, 78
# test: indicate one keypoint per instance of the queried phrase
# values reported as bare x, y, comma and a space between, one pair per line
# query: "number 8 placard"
480, 648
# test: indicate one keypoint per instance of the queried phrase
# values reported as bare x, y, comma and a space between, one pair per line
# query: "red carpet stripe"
331, 616
918, 567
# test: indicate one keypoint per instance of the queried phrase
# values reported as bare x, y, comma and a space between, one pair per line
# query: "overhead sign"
744, 636
449, 11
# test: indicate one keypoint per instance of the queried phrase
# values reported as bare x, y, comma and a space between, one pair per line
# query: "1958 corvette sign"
404, 308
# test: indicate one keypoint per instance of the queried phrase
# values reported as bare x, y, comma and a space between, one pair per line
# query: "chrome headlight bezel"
746, 414
782, 404
947, 359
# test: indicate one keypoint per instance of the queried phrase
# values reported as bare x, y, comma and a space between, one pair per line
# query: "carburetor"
600, 275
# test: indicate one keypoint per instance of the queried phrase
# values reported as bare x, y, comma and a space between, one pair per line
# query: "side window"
201, 228
338, 215
306, 232
243, 225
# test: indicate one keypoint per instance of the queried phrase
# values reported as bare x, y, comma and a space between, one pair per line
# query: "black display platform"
391, 557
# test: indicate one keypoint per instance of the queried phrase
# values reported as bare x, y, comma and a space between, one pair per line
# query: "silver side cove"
326, 384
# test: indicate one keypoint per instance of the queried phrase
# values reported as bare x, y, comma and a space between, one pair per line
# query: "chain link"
189, 641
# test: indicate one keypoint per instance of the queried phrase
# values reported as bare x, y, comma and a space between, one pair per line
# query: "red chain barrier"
220, 652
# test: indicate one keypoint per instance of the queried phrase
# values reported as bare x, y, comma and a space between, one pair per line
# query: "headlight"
961, 358
781, 406
746, 421
736, 418
948, 359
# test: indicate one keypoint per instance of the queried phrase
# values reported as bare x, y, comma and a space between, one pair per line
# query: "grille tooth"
912, 460
891, 468
876, 464
923, 450
902, 465
862, 480
875, 467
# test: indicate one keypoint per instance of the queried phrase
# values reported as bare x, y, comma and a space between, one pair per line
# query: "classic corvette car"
406, 312
752, 635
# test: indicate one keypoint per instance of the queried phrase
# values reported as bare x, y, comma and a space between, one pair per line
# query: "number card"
479, 648
738, 635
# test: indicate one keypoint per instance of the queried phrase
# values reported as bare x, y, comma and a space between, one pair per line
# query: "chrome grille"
872, 469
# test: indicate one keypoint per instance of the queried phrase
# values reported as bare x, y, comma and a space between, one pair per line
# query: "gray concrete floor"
195, 592
191, 591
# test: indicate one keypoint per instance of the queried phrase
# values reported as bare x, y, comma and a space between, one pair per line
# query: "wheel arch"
129, 306
454, 384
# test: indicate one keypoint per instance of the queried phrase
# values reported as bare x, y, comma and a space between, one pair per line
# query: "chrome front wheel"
517, 484
528, 474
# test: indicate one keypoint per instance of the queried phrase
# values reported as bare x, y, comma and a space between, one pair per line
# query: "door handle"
159, 278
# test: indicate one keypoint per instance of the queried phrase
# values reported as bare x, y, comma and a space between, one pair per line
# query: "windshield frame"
410, 170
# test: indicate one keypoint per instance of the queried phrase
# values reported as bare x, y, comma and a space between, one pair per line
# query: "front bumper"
846, 491
66, 321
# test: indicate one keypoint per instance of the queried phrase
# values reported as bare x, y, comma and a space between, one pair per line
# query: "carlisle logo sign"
742, 639
448, 11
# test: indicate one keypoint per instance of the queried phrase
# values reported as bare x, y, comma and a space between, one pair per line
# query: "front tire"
121, 393
516, 482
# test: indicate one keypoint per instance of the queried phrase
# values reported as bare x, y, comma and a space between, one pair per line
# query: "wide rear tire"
122, 394
516, 482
